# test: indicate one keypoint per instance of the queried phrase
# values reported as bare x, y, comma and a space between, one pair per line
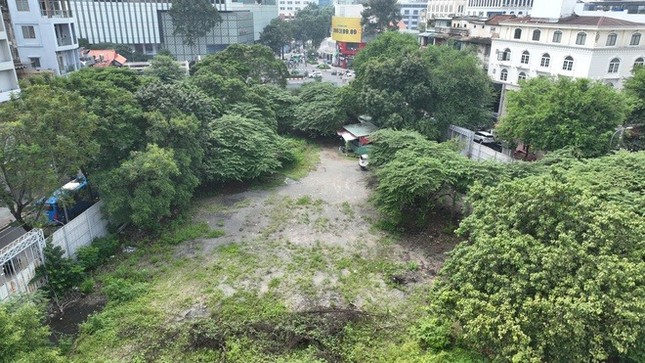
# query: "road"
326, 76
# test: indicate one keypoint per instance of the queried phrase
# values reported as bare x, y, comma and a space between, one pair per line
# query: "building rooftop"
105, 58
594, 21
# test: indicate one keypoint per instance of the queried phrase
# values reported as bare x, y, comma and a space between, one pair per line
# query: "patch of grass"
347, 210
306, 156
304, 200
214, 233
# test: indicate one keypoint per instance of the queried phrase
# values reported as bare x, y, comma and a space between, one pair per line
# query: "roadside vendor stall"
356, 135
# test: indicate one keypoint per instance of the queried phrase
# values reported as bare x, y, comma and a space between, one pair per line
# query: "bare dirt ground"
327, 212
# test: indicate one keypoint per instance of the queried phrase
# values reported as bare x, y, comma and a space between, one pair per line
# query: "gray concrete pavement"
325, 73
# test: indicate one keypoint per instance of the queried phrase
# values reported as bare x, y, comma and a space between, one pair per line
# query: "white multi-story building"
289, 8
489, 8
8, 78
45, 34
445, 8
557, 43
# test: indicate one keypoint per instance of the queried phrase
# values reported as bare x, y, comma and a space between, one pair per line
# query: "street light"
621, 130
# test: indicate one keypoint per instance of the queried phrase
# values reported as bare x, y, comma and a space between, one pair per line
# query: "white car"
315, 74
363, 161
484, 137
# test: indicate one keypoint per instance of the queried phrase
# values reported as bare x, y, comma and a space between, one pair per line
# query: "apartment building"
289, 8
45, 35
411, 11
8, 78
490, 8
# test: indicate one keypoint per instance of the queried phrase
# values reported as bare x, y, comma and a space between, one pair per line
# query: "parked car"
314, 74
334, 72
484, 137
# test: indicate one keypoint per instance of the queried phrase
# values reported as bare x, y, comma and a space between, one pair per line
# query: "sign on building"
346, 29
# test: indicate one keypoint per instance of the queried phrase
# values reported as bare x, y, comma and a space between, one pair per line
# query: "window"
503, 76
518, 34
406, 12
581, 39
614, 64
546, 60
536, 35
35, 62
557, 37
525, 57
636, 39
415, 12
505, 55
521, 76
22, 5
611, 39
568, 63
639, 62
28, 32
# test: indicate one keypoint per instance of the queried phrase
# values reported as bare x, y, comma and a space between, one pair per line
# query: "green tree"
423, 89
420, 173
634, 139
552, 114
312, 23
250, 63
143, 189
193, 19
242, 149
60, 273
318, 112
165, 68
24, 337
381, 15
552, 270
386, 45
276, 35
47, 135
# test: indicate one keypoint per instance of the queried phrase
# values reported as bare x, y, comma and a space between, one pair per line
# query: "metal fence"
473, 150
19, 259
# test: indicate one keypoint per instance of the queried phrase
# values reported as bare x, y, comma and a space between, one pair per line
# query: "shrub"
433, 333
120, 290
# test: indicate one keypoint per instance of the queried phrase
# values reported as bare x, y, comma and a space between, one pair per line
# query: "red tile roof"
104, 58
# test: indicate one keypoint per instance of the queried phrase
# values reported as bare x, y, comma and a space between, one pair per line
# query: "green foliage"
386, 142
242, 149
92, 256
312, 23
255, 63
552, 114
386, 45
143, 190
60, 273
276, 35
423, 90
411, 184
282, 102
552, 269
23, 336
634, 139
433, 333
381, 15
318, 112
47, 135
121, 290
165, 68
193, 19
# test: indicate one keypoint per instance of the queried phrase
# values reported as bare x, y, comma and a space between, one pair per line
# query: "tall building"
289, 8
411, 11
445, 8
143, 24
45, 35
8, 78
490, 8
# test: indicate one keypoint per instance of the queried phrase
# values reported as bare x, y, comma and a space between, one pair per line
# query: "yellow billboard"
346, 29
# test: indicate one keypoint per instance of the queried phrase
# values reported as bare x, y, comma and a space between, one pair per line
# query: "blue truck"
68, 201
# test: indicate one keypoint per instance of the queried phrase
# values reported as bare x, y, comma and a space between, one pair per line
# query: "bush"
120, 290
323, 66
433, 333
87, 286
92, 256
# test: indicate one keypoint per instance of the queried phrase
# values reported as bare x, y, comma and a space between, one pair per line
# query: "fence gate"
18, 262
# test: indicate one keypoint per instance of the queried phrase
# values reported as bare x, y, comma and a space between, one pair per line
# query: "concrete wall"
81, 231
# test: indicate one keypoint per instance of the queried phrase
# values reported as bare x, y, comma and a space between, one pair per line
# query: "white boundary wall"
473, 150
18, 260
81, 231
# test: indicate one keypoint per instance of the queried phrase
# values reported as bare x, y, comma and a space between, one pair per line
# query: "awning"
346, 135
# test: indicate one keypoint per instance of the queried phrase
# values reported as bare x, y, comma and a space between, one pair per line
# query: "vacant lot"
298, 272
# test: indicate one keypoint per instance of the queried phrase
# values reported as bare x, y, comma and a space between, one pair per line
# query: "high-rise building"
490, 8
289, 8
45, 35
445, 8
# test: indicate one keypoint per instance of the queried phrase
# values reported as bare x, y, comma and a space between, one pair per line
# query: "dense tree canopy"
552, 269
165, 68
312, 23
552, 114
318, 113
634, 139
255, 63
419, 89
47, 136
386, 45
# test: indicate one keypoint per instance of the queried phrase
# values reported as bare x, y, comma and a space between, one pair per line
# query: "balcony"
55, 9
